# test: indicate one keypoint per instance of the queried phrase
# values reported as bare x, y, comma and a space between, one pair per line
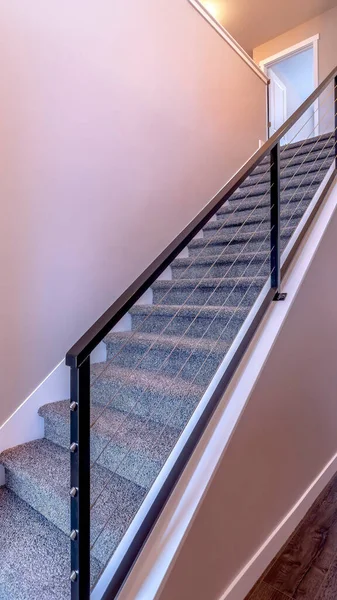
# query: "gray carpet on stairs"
145, 393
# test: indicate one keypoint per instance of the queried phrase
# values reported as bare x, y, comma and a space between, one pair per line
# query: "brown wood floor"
306, 567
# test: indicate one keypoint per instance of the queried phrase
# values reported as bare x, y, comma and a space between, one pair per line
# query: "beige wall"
286, 436
118, 122
252, 23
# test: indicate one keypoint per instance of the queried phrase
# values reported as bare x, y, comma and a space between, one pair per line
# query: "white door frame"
282, 86
311, 42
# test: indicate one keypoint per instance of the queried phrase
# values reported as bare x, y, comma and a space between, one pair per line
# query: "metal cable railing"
181, 307
205, 314
303, 162
210, 240
186, 332
157, 371
200, 339
215, 344
116, 469
327, 161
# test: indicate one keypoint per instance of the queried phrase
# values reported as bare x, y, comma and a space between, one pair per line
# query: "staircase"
146, 391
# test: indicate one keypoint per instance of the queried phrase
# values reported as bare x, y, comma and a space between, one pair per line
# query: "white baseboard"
253, 570
25, 425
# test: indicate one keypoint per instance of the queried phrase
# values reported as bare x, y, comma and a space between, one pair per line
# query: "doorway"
293, 76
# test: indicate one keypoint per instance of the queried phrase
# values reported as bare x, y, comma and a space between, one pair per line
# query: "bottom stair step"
38, 472
34, 555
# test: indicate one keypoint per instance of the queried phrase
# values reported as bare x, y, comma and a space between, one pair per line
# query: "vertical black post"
275, 218
335, 120
80, 480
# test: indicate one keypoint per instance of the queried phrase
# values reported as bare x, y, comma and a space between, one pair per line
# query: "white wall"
286, 438
118, 122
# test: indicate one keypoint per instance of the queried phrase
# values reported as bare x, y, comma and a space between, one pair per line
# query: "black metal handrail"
78, 358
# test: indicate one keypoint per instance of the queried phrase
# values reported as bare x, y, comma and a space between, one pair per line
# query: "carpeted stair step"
194, 321
38, 472
227, 243
307, 145
147, 394
229, 265
35, 555
190, 359
241, 291
304, 147
259, 218
131, 446
299, 181
288, 198
298, 165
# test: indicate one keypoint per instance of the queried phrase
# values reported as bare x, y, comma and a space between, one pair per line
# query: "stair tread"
35, 555
132, 446
263, 200
290, 159
211, 283
292, 175
165, 341
307, 178
138, 390
157, 382
307, 142
311, 162
235, 238
188, 310
215, 258
241, 218
258, 194
39, 473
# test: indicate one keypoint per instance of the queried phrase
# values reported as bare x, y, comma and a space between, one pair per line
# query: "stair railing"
78, 357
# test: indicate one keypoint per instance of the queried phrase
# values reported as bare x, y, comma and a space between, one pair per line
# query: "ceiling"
254, 22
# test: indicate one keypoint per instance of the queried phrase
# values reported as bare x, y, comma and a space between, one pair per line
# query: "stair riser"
256, 244
195, 327
178, 363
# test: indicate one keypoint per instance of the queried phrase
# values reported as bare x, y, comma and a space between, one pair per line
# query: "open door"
293, 75
277, 103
